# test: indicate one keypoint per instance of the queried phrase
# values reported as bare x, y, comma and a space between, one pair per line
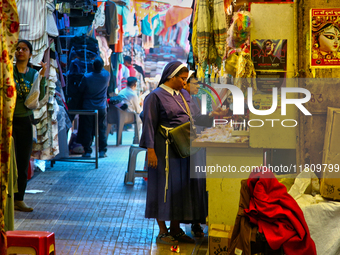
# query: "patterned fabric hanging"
220, 28
214, 60
203, 32
194, 31
9, 30
245, 72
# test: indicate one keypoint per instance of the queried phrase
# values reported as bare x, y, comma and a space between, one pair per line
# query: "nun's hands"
152, 158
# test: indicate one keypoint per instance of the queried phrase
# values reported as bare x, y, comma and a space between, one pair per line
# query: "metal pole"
96, 135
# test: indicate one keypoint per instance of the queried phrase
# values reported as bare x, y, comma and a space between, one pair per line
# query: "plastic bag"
32, 99
231, 63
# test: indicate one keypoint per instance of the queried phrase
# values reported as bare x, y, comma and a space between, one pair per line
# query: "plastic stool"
30, 242
132, 173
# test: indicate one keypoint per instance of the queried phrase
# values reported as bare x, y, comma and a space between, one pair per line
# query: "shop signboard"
325, 38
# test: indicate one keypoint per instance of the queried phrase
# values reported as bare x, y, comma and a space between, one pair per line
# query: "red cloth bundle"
277, 214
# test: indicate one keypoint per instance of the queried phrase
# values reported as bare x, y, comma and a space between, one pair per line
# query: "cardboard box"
330, 181
219, 239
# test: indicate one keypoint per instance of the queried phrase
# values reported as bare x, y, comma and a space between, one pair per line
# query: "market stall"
270, 56
241, 152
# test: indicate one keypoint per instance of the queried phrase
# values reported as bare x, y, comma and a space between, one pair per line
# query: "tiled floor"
91, 211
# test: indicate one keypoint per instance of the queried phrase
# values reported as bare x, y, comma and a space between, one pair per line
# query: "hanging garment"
105, 51
35, 30
99, 17
146, 26
142, 9
111, 22
51, 26
214, 60
194, 31
120, 31
46, 145
220, 28
203, 31
9, 30
175, 14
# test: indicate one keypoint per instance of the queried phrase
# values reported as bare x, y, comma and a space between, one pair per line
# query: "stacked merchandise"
160, 67
150, 68
160, 56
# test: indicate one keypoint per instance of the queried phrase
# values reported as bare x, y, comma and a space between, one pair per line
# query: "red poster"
325, 37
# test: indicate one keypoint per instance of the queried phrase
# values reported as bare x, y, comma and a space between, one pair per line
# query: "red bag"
30, 172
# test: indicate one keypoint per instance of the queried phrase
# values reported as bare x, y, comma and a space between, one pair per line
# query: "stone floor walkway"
91, 211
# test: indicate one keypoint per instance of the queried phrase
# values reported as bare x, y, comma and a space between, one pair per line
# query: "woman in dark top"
24, 76
174, 197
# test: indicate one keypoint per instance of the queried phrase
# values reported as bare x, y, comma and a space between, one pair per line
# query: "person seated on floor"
93, 88
131, 99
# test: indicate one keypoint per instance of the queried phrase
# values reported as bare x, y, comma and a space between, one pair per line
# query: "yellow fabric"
245, 73
9, 30
194, 32
203, 31
220, 28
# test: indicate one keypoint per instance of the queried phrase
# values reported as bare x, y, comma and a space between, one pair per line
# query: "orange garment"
175, 14
119, 44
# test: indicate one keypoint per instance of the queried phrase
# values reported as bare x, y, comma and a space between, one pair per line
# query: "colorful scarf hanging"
220, 28
203, 32
214, 60
194, 32
142, 10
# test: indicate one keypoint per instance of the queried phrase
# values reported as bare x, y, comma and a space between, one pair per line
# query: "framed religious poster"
269, 54
325, 37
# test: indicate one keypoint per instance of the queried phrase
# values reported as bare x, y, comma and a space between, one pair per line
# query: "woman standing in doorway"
24, 77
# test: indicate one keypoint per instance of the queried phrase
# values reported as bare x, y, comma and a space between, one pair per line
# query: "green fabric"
24, 83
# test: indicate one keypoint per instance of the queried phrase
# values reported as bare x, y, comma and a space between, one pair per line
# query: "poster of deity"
325, 38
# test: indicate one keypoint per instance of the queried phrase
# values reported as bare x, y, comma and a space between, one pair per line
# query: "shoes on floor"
102, 154
21, 206
166, 238
87, 155
196, 230
182, 237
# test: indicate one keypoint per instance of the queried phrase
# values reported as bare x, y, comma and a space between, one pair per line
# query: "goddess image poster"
325, 38
269, 54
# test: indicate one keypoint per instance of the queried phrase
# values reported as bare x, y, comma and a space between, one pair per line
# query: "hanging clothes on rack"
35, 31
111, 22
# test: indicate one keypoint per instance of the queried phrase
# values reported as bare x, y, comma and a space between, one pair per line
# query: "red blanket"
277, 214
